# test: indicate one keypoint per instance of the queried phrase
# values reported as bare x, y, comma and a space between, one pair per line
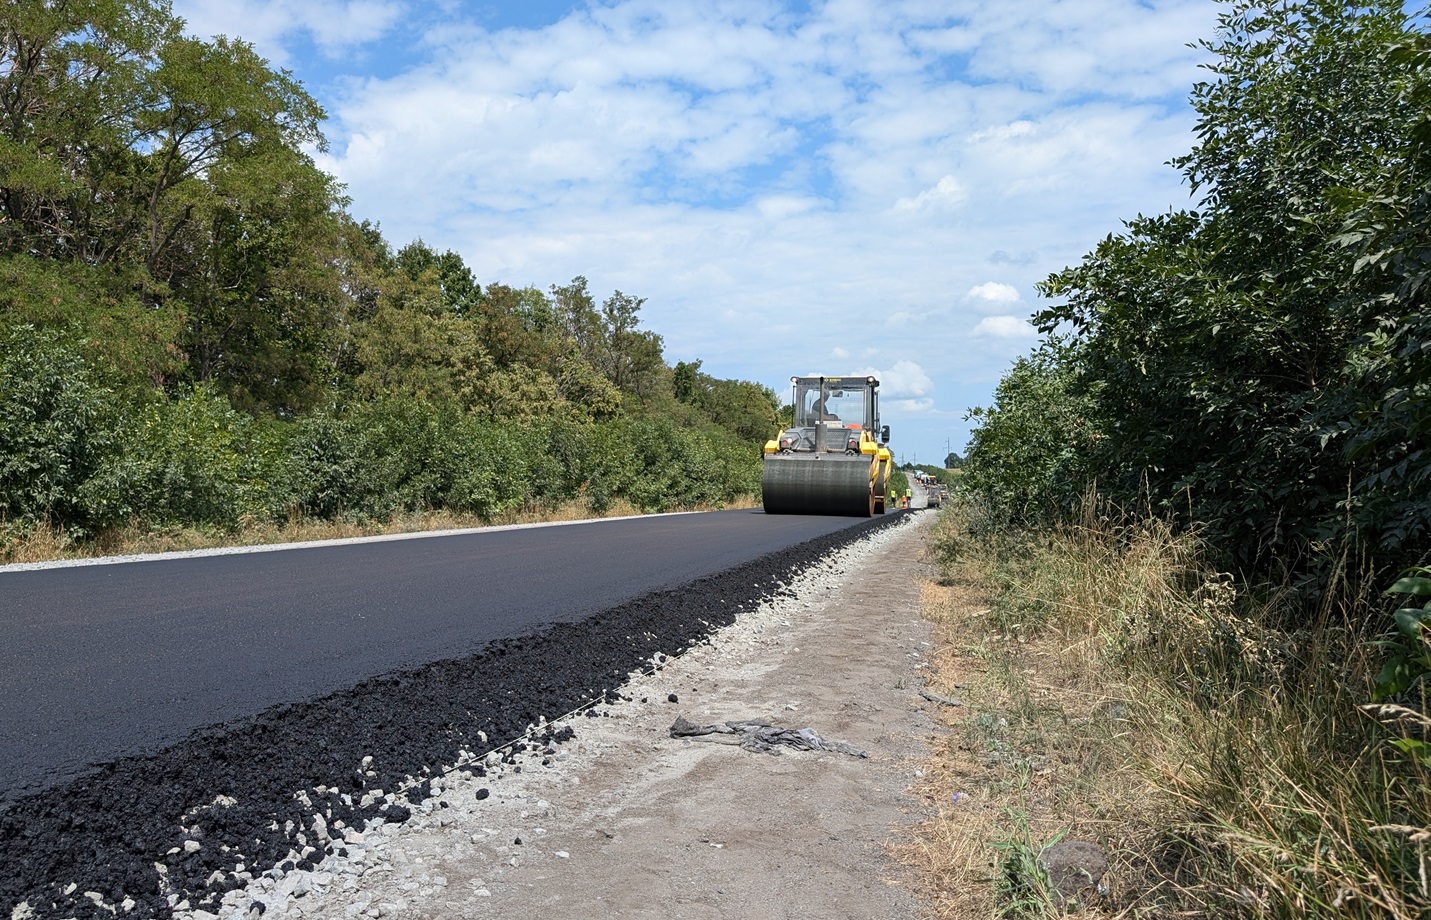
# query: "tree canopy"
1257, 367
196, 329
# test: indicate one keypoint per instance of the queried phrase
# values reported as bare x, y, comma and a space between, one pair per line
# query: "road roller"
834, 458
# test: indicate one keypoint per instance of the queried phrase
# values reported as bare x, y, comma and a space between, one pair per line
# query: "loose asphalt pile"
281, 789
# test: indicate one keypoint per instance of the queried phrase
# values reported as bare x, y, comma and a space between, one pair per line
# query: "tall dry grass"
1263, 787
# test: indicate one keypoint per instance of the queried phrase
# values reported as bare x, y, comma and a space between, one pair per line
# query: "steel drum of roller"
818, 484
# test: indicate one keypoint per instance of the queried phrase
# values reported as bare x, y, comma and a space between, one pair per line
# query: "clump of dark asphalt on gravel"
282, 788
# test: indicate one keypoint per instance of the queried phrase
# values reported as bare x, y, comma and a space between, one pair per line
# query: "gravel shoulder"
625, 821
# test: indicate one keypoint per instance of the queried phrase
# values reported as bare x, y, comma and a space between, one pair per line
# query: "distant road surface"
102, 661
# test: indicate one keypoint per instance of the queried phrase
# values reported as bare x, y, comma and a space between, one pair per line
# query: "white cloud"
333, 25
1113, 47
1004, 327
838, 353
994, 292
909, 406
905, 380
946, 193
1021, 128
776, 207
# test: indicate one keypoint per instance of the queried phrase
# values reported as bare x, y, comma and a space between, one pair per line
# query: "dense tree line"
194, 329
1260, 367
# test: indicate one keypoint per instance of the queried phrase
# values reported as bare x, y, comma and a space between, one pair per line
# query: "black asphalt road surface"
103, 661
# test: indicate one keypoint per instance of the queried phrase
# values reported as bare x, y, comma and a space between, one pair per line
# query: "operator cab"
831, 414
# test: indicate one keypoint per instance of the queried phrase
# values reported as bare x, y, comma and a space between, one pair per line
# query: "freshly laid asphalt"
103, 661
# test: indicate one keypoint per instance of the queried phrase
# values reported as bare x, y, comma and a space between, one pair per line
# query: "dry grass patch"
1213, 741
1037, 754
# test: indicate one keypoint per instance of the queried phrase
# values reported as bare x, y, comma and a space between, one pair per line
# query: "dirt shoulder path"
626, 821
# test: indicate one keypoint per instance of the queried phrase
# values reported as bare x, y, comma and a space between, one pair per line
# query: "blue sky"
811, 187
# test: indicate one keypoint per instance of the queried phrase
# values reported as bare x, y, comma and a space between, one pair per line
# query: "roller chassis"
829, 461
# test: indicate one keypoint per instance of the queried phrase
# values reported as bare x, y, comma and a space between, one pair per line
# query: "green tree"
460, 290
74, 79
629, 356
1382, 421
748, 410
171, 171
1217, 346
689, 384
609, 338
129, 344
411, 347
516, 326
578, 317
583, 387
1027, 458
262, 302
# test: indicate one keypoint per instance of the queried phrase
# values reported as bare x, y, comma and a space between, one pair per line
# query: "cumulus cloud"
1004, 327
778, 206
905, 389
332, 25
946, 193
1080, 46
994, 292
905, 380
615, 104
1021, 128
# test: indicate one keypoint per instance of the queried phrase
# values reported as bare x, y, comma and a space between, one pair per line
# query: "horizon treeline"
194, 330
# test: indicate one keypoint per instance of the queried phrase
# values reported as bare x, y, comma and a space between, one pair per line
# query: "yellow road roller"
833, 459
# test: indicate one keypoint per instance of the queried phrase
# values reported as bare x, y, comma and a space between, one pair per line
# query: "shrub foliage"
1259, 368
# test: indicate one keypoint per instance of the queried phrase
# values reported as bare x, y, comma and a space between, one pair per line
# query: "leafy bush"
56, 430
393, 456
185, 461
1026, 460
1409, 666
387, 457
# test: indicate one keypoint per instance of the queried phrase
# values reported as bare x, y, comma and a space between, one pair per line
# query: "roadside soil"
626, 821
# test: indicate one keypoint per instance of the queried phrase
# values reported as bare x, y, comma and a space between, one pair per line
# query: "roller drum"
818, 484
